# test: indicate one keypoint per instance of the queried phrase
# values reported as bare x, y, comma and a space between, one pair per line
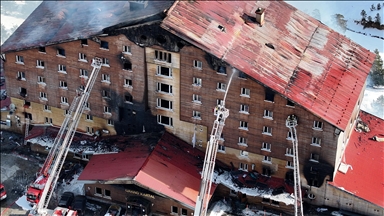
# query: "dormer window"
42, 49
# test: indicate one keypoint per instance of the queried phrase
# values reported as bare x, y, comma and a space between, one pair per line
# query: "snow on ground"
23, 203
226, 180
6, 173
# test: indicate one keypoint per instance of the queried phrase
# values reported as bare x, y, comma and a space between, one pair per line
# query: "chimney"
260, 15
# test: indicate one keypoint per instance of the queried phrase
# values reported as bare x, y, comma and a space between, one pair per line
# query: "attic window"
42, 49
104, 45
127, 66
290, 103
60, 52
270, 45
222, 28
84, 42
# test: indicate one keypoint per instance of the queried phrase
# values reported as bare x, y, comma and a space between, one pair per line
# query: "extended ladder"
291, 123
62, 142
209, 161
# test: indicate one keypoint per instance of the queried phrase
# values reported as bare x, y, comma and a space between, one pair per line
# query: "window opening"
104, 45
245, 92
269, 95
60, 52
42, 49
197, 64
164, 88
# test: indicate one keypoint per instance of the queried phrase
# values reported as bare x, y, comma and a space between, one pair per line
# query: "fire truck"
3, 193
40, 191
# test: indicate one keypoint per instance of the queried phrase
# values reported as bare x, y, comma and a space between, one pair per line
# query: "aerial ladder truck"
40, 192
291, 123
222, 113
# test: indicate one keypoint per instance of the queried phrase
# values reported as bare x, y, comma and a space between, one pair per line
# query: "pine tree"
364, 15
378, 19
377, 71
378, 6
340, 22
369, 19
373, 7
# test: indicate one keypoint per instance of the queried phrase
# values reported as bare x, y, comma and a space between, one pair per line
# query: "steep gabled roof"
60, 21
364, 163
314, 66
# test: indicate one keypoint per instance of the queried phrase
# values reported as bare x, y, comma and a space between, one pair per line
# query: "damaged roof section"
291, 52
61, 21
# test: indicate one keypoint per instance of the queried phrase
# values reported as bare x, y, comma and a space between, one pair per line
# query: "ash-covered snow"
226, 180
84, 146
222, 208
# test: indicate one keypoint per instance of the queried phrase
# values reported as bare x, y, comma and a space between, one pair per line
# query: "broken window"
242, 75
269, 95
42, 49
313, 182
266, 200
165, 104
184, 212
66, 112
60, 52
27, 104
174, 209
163, 56
266, 171
84, 42
164, 88
221, 70
219, 102
314, 157
23, 92
127, 66
164, 120
107, 192
128, 98
290, 103
104, 45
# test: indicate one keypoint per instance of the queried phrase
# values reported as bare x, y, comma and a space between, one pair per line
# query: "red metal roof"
365, 177
122, 165
310, 64
172, 169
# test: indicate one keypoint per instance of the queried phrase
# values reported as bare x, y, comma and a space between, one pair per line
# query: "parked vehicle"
60, 211
113, 210
79, 204
3, 193
66, 199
